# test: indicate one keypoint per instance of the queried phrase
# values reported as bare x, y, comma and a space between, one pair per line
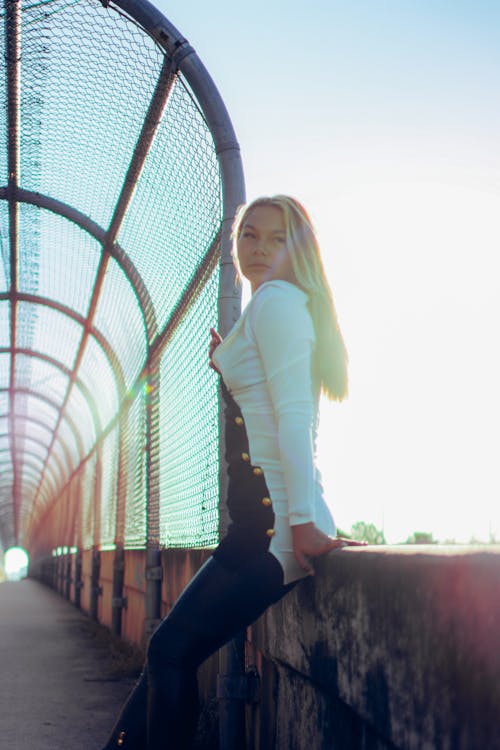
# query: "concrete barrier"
387, 647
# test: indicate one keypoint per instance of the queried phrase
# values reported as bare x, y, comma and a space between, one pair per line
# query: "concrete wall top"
407, 637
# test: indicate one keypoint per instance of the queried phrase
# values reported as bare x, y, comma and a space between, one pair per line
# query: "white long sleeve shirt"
265, 362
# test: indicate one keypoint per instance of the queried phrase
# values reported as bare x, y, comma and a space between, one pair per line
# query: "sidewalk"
57, 687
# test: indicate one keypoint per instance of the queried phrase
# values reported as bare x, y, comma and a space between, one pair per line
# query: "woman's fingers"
340, 542
215, 340
352, 542
332, 543
336, 543
215, 337
321, 547
310, 542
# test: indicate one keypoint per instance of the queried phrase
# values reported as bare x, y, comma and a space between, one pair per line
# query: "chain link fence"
119, 179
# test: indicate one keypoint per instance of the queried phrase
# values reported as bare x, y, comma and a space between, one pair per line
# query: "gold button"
266, 501
238, 420
245, 457
270, 532
258, 471
121, 738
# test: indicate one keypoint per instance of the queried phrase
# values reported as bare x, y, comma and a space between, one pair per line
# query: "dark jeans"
162, 711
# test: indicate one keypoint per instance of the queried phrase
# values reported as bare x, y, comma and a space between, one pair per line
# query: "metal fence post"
95, 588
231, 681
118, 602
67, 575
78, 579
153, 572
154, 576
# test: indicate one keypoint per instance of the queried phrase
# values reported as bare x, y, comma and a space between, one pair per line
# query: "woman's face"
262, 252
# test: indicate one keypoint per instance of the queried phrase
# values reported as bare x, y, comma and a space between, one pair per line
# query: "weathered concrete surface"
57, 690
389, 647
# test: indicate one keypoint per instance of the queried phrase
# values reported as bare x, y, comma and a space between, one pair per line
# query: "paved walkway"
57, 686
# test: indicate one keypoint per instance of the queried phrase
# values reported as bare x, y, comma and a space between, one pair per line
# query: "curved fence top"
119, 178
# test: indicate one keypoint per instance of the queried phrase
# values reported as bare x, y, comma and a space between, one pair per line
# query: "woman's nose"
261, 247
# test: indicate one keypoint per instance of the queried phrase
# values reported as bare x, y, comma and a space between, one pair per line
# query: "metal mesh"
182, 161
91, 74
4, 240
117, 217
40, 408
3, 147
98, 377
45, 378
188, 407
135, 467
129, 340
87, 481
4, 368
67, 253
108, 489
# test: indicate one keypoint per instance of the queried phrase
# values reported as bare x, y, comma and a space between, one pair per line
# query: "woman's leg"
215, 606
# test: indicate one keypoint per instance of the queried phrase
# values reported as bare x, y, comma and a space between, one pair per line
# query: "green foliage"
421, 537
367, 532
341, 532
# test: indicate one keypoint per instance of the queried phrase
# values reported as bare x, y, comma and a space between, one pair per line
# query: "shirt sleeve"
284, 335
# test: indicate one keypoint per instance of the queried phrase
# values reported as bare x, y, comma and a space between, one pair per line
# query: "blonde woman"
285, 349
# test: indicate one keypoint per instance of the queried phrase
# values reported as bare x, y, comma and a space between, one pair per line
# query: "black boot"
130, 731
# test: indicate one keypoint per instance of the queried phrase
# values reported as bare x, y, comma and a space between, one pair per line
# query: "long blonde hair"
330, 356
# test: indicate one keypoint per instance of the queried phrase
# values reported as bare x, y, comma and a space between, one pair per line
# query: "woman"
283, 351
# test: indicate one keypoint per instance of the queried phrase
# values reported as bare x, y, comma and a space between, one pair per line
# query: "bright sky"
384, 119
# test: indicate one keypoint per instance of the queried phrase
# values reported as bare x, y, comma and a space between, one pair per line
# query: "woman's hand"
215, 340
309, 541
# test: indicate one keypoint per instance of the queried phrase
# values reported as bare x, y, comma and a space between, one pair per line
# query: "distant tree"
341, 532
367, 532
421, 537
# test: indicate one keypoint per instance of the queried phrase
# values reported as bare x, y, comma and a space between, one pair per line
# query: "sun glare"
16, 563
415, 271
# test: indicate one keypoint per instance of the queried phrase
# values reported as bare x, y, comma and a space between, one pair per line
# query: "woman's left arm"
285, 338
284, 335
